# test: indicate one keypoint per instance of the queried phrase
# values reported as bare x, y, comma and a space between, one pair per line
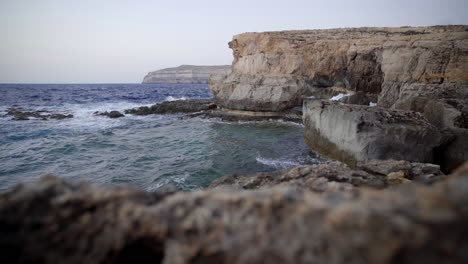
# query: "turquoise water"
148, 151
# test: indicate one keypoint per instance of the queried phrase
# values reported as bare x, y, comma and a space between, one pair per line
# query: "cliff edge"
185, 74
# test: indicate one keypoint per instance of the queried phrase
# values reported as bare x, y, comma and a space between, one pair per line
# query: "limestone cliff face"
423, 69
273, 71
185, 74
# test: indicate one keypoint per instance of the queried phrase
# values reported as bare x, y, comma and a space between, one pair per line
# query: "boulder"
353, 133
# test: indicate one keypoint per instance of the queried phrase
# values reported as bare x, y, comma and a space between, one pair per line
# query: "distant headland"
186, 74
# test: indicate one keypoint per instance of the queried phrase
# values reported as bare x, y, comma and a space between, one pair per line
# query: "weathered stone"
186, 74
56, 221
397, 178
376, 61
353, 133
336, 176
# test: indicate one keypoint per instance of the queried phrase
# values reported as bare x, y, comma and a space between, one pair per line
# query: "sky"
119, 41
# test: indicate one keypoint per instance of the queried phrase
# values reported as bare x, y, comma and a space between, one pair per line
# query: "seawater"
144, 151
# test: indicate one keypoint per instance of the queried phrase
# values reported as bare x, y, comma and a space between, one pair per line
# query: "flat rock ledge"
59, 221
173, 107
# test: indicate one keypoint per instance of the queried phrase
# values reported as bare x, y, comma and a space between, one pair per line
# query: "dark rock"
60, 116
20, 113
111, 114
173, 107
57, 221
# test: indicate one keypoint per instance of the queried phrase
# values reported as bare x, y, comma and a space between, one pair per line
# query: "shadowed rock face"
186, 74
377, 61
354, 133
56, 221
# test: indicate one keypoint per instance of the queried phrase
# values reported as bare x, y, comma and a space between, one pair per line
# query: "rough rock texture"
186, 74
56, 221
353, 133
274, 70
173, 107
336, 176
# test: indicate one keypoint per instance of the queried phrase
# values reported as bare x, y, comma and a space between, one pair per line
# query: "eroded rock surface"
353, 133
57, 221
288, 65
337, 176
421, 69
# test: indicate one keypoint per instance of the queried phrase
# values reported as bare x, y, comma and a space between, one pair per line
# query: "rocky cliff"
422, 69
185, 74
273, 71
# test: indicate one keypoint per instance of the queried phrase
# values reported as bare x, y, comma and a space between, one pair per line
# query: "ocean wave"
172, 98
277, 163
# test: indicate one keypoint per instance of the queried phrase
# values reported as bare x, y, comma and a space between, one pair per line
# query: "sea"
144, 151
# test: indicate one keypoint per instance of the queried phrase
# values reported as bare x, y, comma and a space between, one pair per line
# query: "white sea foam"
371, 104
339, 96
277, 163
84, 117
172, 98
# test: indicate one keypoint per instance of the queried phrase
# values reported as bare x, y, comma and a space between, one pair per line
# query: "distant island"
186, 74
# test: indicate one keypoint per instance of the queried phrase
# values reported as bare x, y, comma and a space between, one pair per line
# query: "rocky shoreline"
385, 212
399, 128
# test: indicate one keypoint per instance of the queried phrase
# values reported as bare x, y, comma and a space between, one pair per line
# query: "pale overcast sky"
111, 41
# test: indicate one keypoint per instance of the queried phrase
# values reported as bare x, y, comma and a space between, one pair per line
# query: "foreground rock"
336, 176
173, 107
19, 114
81, 223
353, 133
186, 74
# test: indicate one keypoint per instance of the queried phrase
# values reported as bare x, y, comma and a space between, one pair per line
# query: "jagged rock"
57, 221
186, 74
173, 107
20, 113
111, 114
336, 176
353, 133
376, 61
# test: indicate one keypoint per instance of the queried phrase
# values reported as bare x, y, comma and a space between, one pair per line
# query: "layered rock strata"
58, 221
274, 70
185, 74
